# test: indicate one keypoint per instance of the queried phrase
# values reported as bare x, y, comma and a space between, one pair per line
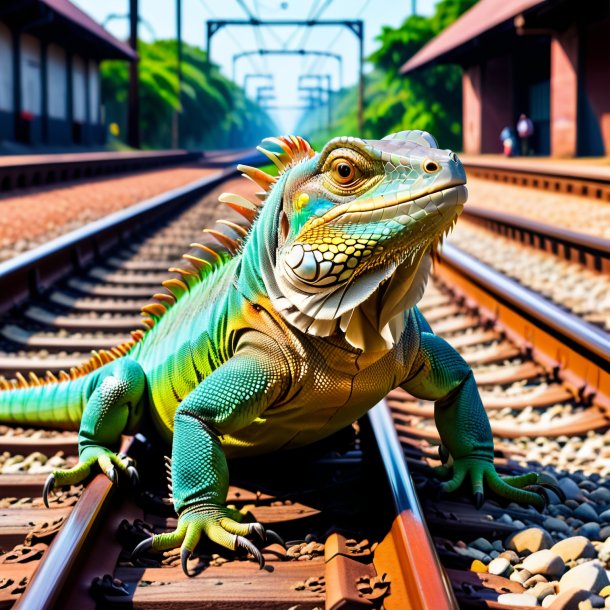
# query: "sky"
158, 20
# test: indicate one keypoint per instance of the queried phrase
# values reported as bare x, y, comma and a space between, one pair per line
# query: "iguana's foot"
527, 488
219, 523
108, 461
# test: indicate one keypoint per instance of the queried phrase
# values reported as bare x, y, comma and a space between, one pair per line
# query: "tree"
215, 112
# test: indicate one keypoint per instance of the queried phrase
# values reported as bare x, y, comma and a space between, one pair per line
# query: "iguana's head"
357, 224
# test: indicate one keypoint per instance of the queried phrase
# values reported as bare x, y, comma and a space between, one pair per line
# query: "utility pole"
176, 118
360, 34
133, 103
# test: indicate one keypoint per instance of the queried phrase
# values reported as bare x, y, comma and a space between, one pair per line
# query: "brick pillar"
564, 93
471, 110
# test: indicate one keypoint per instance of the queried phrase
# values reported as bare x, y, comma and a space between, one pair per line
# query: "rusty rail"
592, 182
38, 170
559, 338
588, 250
30, 273
70, 544
427, 585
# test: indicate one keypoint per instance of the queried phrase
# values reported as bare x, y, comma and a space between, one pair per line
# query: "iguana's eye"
343, 171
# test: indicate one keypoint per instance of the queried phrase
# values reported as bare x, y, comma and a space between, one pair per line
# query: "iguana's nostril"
430, 166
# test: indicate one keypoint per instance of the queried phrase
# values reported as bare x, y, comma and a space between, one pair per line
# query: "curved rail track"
347, 507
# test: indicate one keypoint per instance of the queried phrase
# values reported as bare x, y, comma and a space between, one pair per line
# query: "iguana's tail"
58, 404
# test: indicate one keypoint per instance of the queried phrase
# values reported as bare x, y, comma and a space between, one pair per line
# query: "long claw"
479, 498
142, 547
133, 475
48, 487
246, 544
273, 537
259, 530
542, 492
111, 474
185, 555
555, 489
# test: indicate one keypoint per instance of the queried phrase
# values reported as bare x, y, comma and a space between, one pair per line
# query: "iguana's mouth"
380, 206
321, 264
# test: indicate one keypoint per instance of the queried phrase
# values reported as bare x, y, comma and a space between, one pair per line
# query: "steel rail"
587, 181
588, 339
590, 249
37, 170
26, 275
427, 585
60, 561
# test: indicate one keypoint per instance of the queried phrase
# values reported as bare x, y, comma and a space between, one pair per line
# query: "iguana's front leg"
233, 396
114, 406
439, 373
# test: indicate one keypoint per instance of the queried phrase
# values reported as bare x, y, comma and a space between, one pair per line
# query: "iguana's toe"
523, 489
217, 524
108, 462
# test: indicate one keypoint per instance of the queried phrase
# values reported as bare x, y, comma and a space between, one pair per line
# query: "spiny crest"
228, 234
215, 247
96, 361
294, 149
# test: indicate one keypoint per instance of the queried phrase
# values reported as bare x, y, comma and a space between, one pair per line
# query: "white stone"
518, 599
544, 562
590, 576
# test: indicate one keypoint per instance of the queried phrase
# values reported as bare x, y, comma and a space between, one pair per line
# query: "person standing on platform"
525, 129
508, 138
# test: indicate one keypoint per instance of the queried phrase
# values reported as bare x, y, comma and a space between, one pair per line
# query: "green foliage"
429, 99
215, 112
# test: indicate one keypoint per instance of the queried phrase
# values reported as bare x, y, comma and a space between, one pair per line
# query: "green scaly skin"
310, 324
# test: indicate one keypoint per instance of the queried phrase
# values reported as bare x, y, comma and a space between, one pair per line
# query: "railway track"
555, 244
570, 178
347, 508
23, 171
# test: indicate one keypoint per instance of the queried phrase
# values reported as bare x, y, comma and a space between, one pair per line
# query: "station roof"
62, 22
481, 18
79, 18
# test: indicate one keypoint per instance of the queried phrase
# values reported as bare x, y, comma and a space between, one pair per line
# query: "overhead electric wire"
320, 58
256, 68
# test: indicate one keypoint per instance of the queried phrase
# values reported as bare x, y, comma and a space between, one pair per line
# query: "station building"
549, 59
50, 53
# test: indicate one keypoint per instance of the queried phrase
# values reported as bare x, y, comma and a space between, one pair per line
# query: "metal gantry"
356, 26
265, 52
255, 76
320, 89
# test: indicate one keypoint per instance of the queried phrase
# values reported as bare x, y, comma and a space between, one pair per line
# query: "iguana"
290, 330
